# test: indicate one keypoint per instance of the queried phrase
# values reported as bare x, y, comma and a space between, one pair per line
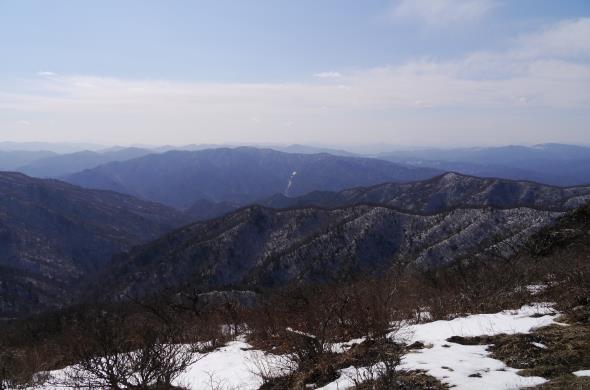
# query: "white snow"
290, 183
345, 346
582, 373
539, 345
507, 321
235, 365
346, 379
536, 289
454, 363
229, 367
467, 367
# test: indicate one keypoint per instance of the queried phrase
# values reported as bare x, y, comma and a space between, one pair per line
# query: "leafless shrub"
119, 351
18, 368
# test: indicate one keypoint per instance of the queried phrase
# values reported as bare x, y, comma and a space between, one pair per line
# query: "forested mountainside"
446, 191
257, 247
52, 233
241, 175
449, 190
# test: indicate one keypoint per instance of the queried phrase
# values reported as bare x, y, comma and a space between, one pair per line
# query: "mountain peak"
451, 177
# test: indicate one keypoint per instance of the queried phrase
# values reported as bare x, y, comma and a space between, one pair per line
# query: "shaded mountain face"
555, 164
443, 192
258, 247
241, 175
204, 209
66, 164
52, 233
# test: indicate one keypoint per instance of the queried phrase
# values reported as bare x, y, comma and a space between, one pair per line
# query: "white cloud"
440, 13
567, 39
328, 75
45, 73
23, 123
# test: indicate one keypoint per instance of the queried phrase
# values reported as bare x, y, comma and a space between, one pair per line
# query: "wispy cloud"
567, 39
328, 75
441, 13
541, 70
45, 73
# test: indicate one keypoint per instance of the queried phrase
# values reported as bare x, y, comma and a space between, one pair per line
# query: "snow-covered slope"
463, 366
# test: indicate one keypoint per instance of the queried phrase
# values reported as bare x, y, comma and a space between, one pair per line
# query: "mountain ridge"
422, 196
57, 166
244, 174
257, 246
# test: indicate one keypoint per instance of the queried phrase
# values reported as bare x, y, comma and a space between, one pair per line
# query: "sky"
330, 72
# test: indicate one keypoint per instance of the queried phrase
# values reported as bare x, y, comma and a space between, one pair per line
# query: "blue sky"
413, 72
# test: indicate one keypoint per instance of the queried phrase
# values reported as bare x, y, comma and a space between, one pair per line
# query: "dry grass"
324, 370
570, 382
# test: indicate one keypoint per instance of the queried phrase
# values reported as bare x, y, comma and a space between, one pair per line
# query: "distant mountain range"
306, 149
57, 166
240, 175
52, 233
55, 147
555, 164
13, 160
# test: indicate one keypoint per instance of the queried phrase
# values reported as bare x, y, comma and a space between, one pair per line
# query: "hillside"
52, 233
242, 175
257, 247
449, 190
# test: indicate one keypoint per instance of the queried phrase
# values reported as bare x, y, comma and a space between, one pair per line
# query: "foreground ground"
464, 353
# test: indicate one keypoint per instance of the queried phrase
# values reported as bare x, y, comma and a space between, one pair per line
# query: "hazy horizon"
368, 149
419, 73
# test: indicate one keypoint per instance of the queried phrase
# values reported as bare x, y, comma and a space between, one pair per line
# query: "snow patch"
345, 346
582, 373
535, 289
234, 366
463, 366
231, 367
290, 183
